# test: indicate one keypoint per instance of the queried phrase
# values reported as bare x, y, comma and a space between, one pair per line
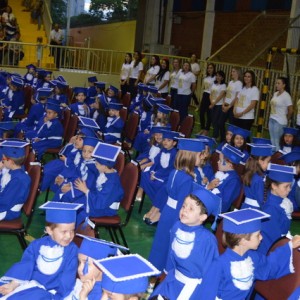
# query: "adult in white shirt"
162, 78
217, 94
125, 72
298, 115
136, 70
174, 78
152, 71
281, 111
205, 112
245, 105
186, 86
56, 39
234, 86
195, 68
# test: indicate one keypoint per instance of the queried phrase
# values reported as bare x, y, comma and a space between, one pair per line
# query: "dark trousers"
56, 52
182, 103
124, 88
217, 122
132, 88
243, 123
173, 93
205, 112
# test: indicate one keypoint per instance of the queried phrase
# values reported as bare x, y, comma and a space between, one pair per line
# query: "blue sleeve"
55, 129
230, 190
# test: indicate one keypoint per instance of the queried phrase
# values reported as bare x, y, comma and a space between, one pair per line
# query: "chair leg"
21, 238
123, 237
111, 234
141, 203
47, 194
114, 230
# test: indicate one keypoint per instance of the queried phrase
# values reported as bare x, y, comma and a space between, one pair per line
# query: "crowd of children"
186, 179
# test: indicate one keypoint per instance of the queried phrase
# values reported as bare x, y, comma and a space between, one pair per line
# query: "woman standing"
281, 111
195, 67
152, 71
125, 72
174, 78
136, 70
205, 112
186, 86
245, 105
162, 78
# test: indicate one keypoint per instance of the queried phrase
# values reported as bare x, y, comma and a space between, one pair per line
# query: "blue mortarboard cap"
44, 73
164, 109
261, 150
281, 173
92, 79
230, 127
43, 92
193, 145
290, 130
115, 106
53, 83
147, 102
60, 212
98, 249
291, 157
126, 274
168, 134
8, 125
241, 131
243, 221
87, 131
263, 141
78, 90
156, 129
53, 106
5, 74
152, 89
13, 148
100, 85
114, 89
61, 79
141, 86
31, 66
209, 141
88, 122
106, 154
61, 84
90, 141
232, 153
17, 81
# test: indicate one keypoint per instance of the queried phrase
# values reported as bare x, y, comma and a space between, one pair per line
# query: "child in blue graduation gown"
278, 206
104, 199
192, 247
239, 141
153, 178
15, 183
288, 140
91, 89
178, 186
49, 131
48, 266
79, 108
254, 177
142, 94
30, 74
227, 183
231, 276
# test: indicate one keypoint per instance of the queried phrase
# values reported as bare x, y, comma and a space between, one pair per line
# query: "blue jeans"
276, 131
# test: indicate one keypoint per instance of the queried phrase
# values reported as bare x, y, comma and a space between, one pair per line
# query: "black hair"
253, 83
125, 62
162, 71
222, 74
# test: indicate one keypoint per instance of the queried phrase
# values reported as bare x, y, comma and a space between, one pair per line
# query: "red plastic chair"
126, 100
174, 120
187, 126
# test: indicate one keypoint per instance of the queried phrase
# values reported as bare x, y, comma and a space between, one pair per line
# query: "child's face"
190, 213
31, 70
51, 114
263, 163
254, 241
62, 234
168, 143
282, 189
93, 271
238, 141
110, 93
158, 137
288, 139
159, 115
113, 112
80, 97
47, 77
228, 136
200, 158
87, 152
107, 295
78, 144
6, 162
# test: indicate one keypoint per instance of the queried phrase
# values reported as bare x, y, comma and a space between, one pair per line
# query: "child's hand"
63, 105
205, 180
146, 131
87, 286
81, 185
62, 157
8, 287
72, 139
213, 184
296, 241
66, 188
36, 140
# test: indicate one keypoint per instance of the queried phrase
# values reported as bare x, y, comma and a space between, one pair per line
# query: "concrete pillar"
168, 23
208, 29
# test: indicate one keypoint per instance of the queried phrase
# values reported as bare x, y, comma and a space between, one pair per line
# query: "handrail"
47, 19
237, 35
271, 42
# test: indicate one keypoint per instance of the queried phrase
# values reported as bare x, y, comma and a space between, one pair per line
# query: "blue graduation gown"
113, 130
163, 165
228, 189
293, 196
254, 194
192, 249
15, 186
15, 105
278, 225
95, 293
136, 102
145, 120
28, 79
231, 276
50, 264
79, 110
179, 185
205, 171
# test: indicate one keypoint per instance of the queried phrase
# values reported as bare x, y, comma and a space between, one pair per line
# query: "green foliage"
85, 20
59, 12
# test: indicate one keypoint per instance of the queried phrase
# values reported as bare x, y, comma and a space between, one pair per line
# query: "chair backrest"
124, 113
66, 119
29, 159
237, 203
187, 126
131, 126
240, 169
69, 94
35, 176
120, 162
126, 99
129, 180
71, 129
275, 158
219, 237
214, 158
27, 97
282, 288
174, 120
